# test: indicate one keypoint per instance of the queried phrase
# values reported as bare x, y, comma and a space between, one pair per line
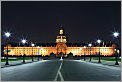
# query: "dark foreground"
64, 70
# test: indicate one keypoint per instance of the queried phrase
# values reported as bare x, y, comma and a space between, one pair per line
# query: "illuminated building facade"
62, 47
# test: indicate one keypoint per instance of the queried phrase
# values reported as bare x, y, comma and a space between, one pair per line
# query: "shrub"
70, 55
52, 55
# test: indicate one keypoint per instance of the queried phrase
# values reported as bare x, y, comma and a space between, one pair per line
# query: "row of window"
89, 50
71, 50
54, 48
51, 50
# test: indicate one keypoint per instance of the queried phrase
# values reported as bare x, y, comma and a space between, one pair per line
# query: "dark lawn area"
107, 58
18, 58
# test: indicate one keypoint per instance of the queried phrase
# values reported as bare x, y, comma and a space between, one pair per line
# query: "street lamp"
23, 42
116, 56
99, 41
90, 50
116, 34
84, 53
32, 50
81, 50
7, 34
118, 51
38, 52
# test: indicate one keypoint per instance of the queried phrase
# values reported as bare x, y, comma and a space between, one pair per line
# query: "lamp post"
90, 50
81, 50
116, 34
7, 34
84, 53
116, 56
32, 50
23, 42
38, 52
99, 41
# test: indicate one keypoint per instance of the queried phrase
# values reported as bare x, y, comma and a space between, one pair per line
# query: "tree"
52, 55
70, 55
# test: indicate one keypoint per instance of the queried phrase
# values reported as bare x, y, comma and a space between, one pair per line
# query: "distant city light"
116, 34
98, 41
7, 34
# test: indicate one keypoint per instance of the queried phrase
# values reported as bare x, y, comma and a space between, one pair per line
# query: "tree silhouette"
52, 55
70, 55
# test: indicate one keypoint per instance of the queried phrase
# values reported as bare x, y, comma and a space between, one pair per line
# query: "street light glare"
98, 41
32, 44
116, 34
23, 41
7, 34
118, 51
80, 48
84, 46
38, 47
90, 45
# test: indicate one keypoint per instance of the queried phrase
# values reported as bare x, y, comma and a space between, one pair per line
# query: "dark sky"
40, 21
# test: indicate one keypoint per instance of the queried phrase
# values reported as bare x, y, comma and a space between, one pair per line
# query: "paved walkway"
19, 62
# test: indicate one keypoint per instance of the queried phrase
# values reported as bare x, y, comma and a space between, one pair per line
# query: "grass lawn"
107, 58
18, 58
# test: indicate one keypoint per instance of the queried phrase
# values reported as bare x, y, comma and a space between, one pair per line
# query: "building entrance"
61, 49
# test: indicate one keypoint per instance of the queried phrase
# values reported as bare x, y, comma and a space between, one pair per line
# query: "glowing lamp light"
90, 45
98, 41
118, 51
32, 44
38, 47
80, 48
61, 59
84, 46
7, 34
23, 41
115, 34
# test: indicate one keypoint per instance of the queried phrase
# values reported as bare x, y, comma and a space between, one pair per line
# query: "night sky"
40, 21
